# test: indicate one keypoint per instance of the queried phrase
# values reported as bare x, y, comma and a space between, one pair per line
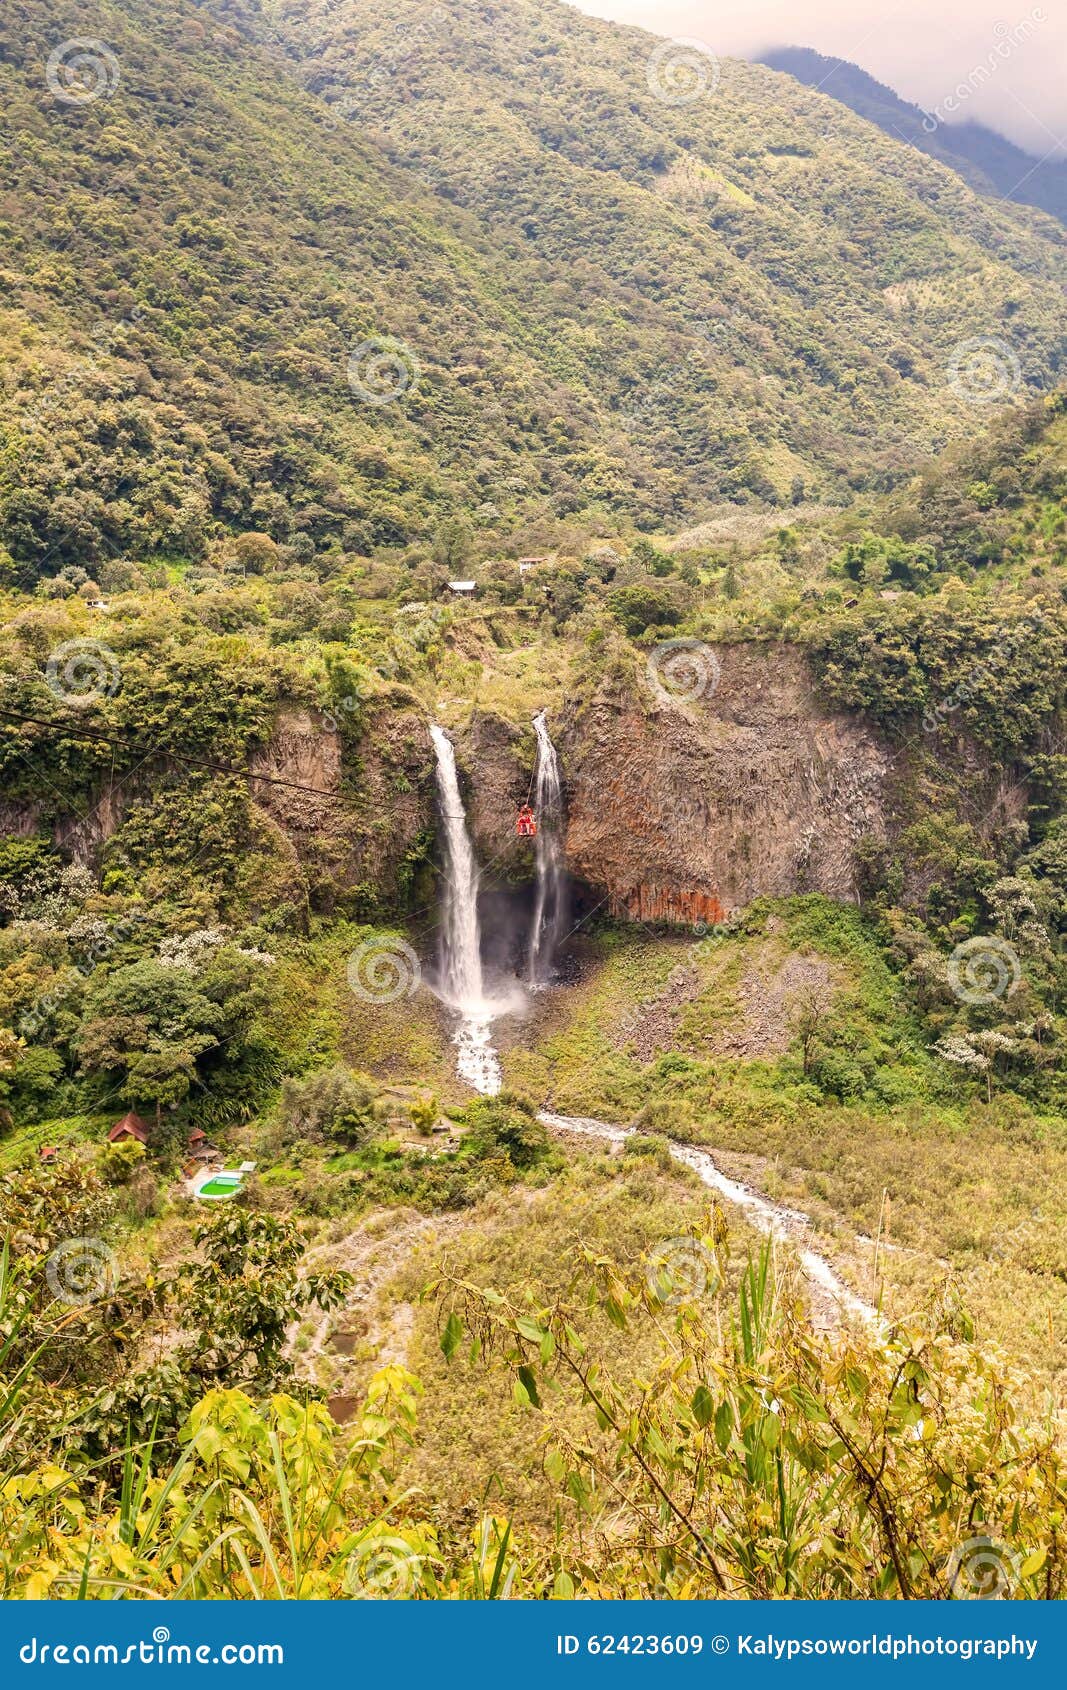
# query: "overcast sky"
1009, 57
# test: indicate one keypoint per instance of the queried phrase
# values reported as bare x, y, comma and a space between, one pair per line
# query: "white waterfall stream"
461, 984
550, 899
773, 1219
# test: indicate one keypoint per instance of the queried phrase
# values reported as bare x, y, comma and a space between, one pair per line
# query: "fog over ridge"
998, 62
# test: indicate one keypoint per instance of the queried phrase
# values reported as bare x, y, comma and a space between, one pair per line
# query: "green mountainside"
768, 286
188, 265
992, 164
591, 301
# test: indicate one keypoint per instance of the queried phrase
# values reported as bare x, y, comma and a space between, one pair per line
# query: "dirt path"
325, 1346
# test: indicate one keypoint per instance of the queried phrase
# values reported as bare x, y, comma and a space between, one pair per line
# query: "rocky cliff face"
680, 808
330, 814
379, 796
683, 808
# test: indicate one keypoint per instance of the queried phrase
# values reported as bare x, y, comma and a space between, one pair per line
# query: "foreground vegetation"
751, 1459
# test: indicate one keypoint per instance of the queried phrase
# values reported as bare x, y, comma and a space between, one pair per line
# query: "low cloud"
1009, 56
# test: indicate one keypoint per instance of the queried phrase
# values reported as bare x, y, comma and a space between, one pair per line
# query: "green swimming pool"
221, 1185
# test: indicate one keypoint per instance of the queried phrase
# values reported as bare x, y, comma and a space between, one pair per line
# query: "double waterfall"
461, 980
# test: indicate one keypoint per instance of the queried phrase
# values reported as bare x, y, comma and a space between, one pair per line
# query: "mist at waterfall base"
479, 981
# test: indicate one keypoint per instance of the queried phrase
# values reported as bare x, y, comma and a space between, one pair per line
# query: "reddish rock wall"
683, 809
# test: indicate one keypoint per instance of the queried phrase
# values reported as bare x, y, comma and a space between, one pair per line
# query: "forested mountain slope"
191, 260
571, 294
989, 162
770, 288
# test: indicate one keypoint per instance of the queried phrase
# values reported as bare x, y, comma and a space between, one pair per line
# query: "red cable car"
526, 826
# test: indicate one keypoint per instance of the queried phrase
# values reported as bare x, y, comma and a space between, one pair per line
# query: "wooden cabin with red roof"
131, 1126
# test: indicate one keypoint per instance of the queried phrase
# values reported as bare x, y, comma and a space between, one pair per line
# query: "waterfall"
462, 987
461, 948
550, 903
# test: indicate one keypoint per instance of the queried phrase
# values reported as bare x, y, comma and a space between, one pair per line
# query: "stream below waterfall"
772, 1219
461, 986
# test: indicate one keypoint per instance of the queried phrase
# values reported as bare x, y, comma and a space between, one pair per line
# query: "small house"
463, 588
131, 1126
48, 1153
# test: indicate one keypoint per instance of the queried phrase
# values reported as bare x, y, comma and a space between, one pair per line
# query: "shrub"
639, 608
424, 1112
651, 1147
332, 1104
118, 1162
507, 1124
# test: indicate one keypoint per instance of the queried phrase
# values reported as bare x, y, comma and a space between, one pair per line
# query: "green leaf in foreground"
451, 1335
